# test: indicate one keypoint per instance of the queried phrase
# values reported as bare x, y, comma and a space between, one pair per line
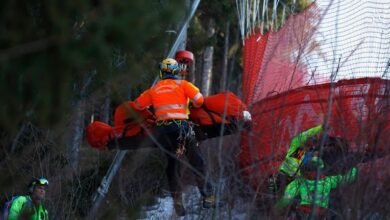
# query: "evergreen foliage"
49, 48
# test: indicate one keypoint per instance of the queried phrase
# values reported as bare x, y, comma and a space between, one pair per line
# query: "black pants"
277, 183
170, 136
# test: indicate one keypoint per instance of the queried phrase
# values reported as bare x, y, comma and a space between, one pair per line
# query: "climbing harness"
186, 135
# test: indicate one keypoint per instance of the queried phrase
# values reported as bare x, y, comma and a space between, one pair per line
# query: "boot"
209, 202
178, 204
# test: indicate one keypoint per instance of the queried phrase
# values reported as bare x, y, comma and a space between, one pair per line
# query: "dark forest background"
63, 63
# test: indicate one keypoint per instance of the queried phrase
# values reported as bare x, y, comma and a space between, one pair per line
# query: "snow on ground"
163, 209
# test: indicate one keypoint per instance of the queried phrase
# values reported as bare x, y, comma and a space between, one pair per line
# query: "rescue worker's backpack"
7, 207
8, 204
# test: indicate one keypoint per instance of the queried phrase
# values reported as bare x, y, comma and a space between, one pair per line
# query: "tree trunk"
106, 108
77, 135
198, 68
225, 58
183, 43
207, 70
192, 73
78, 124
237, 86
208, 61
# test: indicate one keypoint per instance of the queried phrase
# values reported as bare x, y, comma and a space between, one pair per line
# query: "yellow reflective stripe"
196, 97
290, 166
171, 116
172, 106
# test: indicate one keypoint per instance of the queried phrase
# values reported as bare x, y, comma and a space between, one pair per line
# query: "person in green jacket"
30, 206
299, 146
313, 189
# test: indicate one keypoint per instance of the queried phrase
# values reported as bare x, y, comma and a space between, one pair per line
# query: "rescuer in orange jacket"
170, 99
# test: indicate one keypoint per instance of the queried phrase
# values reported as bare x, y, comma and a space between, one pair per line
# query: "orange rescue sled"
131, 126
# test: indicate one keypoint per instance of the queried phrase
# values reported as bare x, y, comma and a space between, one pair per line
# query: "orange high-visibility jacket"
170, 98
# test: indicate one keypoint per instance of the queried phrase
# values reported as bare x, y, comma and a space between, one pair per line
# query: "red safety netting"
286, 77
359, 112
272, 63
253, 53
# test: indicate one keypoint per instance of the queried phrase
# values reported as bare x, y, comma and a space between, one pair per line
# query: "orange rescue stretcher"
221, 114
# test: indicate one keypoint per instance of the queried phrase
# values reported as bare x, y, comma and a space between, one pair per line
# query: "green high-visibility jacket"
23, 206
314, 192
291, 164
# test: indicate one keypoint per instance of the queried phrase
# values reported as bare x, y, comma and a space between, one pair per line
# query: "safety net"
328, 62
